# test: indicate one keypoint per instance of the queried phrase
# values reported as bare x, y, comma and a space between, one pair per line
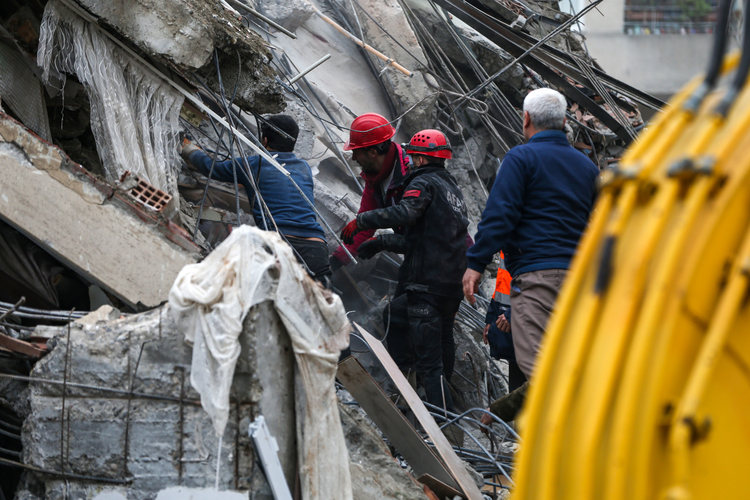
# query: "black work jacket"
434, 244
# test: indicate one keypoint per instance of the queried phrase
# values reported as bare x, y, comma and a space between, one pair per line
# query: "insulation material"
22, 91
134, 114
209, 302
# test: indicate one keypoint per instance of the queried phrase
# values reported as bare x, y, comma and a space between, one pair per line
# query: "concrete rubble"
168, 437
99, 213
89, 220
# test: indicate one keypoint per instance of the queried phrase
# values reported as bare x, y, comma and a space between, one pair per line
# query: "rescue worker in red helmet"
384, 166
435, 219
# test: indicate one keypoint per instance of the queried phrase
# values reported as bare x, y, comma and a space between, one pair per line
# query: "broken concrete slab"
397, 40
91, 227
104, 313
290, 14
111, 495
186, 34
181, 493
158, 437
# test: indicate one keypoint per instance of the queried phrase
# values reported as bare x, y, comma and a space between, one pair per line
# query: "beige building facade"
656, 63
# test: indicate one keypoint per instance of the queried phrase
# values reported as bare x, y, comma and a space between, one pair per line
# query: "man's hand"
502, 323
486, 420
370, 248
471, 284
484, 334
347, 234
186, 148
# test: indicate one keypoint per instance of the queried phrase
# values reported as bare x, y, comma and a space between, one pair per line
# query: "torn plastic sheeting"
209, 302
134, 115
26, 269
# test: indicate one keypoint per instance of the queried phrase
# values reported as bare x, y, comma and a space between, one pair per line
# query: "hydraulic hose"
717, 55
741, 76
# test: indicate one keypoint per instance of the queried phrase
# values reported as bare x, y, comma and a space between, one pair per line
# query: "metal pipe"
62, 314
243, 5
502, 469
17, 327
38, 470
6, 451
538, 44
10, 426
9, 434
98, 388
359, 42
18, 304
310, 68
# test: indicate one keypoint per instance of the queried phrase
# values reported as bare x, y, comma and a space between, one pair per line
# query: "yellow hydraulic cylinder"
627, 401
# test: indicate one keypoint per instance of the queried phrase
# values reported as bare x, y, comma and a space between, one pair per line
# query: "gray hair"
546, 107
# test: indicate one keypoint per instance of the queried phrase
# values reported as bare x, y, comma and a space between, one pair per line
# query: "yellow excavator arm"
642, 387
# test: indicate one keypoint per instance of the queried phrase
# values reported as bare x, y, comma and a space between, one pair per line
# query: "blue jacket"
287, 206
538, 207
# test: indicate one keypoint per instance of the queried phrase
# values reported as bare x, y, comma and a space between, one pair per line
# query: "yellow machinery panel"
642, 387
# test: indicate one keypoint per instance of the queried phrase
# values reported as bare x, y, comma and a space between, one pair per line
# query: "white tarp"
209, 302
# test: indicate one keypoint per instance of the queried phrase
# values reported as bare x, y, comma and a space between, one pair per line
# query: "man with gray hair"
536, 212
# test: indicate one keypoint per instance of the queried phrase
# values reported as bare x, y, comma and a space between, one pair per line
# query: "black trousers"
420, 337
314, 255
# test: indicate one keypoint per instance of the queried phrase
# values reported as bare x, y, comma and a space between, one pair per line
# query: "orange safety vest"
502, 284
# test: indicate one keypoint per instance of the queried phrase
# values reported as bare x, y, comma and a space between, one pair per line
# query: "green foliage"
695, 10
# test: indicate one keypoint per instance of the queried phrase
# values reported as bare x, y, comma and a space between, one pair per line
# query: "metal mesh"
21, 91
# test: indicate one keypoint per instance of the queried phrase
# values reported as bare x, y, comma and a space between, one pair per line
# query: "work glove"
369, 248
347, 234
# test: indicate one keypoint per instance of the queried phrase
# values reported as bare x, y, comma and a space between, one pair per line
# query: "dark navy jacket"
434, 244
538, 207
287, 206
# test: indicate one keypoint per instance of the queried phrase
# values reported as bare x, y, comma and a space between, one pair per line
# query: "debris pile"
99, 213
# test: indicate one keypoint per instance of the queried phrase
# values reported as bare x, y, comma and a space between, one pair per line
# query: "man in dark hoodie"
295, 219
384, 166
434, 217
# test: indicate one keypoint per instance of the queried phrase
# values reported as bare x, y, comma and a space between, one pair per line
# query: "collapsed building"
98, 213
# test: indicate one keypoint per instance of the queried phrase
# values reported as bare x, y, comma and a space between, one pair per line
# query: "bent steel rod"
98, 388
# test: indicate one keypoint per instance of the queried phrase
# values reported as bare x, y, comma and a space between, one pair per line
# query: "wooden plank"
438, 487
443, 447
21, 347
392, 423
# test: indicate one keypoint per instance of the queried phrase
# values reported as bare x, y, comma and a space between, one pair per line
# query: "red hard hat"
430, 143
367, 130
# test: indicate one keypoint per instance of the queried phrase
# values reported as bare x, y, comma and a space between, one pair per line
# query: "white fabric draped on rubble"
209, 302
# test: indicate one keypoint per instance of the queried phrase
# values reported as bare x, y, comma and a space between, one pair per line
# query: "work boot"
507, 407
